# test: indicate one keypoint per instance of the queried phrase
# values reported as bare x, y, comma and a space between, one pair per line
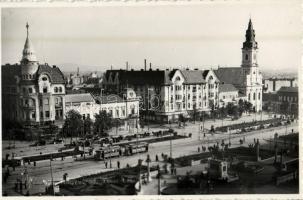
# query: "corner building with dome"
32, 92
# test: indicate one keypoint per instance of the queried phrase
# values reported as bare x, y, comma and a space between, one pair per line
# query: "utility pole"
170, 143
52, 178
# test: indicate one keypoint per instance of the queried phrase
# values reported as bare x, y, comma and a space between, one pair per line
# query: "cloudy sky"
167, 35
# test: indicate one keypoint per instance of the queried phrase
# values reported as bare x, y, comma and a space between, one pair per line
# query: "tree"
87, 126
241, 107
247, 106
232, 110
103, 122
73, 123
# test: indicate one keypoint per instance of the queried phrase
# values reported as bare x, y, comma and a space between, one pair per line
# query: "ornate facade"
32, 92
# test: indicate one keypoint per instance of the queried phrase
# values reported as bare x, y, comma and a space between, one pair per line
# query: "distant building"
32, 92
126, 107
284, 101
272, 85
288, 98
228, 94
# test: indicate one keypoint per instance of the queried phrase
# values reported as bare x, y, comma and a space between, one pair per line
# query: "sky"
192, 35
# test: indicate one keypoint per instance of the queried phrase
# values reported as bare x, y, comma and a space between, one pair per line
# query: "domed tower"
29, 63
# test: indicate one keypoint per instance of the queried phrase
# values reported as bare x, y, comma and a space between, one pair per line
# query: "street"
180, 147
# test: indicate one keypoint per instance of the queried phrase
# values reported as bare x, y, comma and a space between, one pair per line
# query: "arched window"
56, 89
60, 89
178, 78
254, 98
259, 96
246, 56
248, 96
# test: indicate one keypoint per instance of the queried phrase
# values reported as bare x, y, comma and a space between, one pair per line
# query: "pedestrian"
35, 163
199, 149
175, 171
127, 165
7, 171
118, 164
157, 159
5, 177
20, 185
105, 164
16, 186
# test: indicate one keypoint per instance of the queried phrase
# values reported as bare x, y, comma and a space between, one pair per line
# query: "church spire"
28, 50
250, 41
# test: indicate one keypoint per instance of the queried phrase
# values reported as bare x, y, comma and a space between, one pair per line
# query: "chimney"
150, 66
126, 66
145, 64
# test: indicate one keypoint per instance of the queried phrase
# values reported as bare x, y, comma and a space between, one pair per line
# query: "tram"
134, 148
107, 152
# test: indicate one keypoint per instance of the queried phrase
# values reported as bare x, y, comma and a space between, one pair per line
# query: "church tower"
250, 48
29, 62
252, 76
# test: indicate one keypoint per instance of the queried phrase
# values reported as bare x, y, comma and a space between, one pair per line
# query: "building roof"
54, 72
230, 75
141, 77
227, 88
113, 98
288, 89
193, 76
77, 98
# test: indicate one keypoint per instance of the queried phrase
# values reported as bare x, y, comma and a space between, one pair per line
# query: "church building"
247, 78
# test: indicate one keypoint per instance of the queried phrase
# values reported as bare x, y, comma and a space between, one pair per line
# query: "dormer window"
44, 79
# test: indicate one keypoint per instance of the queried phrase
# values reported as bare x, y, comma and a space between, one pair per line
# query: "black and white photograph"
151, 99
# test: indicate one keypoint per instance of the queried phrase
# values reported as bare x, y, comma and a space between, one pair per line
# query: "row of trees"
231, 109
75, 125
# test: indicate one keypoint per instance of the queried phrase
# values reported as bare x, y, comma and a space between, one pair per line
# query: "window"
188, 105
117, 113
44, 79
259, 96
254, 96
60, 89
26, 102
123, 111
33, 115
246, 56
30, 90
46, 102
224, 168
47, 114
188, 96
56, 89
248, 96
178, 78
45, 90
